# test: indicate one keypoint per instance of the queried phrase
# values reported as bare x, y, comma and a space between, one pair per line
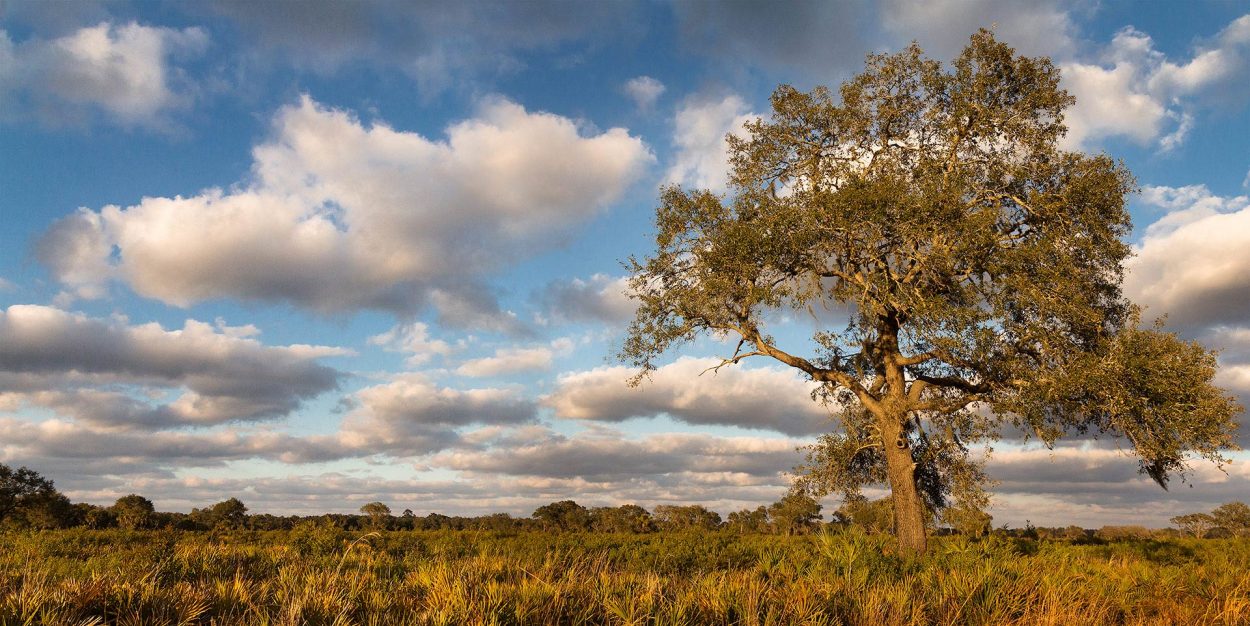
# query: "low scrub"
321, 575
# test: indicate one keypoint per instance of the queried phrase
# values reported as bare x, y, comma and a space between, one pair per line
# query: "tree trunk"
909, 512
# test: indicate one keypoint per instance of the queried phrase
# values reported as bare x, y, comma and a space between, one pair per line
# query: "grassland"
323, 575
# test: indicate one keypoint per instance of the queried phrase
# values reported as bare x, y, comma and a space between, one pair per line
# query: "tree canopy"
977, 265
30, 500
133, 511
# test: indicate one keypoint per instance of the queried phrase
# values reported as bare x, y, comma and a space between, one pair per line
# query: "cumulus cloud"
702, 153
598, 456
759, 397
516, 359
1236, 378
1135, 91
1193, 264
531, 465
123, 72
414, 338
73, 364
293, 494
1217, 68
644, 91
408, 416
600, 298
344, 492
1093, 486
342, 216
411, 415
943, 27
84, 447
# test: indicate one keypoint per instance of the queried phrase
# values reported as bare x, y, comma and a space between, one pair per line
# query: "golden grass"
326, 576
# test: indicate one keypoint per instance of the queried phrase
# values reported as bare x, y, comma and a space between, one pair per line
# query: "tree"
1233, 517
627, 518
1196, 524
98, 517
795, 514
565, 515
133, 512
689, 517
874, 516
968, 520
22, 488
230, 513
977, 264
379, 514
748, 520
47, 511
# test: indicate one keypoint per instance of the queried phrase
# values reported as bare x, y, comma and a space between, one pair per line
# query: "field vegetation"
64, 563
319, 573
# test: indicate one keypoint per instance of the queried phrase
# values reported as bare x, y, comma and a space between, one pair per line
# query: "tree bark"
909, 512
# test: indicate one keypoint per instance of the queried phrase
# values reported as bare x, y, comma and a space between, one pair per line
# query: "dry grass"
325, 576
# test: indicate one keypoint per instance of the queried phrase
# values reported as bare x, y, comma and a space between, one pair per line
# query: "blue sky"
313, 255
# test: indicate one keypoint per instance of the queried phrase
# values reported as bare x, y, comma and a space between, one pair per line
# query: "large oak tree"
979, 265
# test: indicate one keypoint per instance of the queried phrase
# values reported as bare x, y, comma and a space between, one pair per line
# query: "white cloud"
600, 298
415, 338
109, 373
342, 216
702, 154
765, 398
1115, 100
1135, 91
406, 417
1186, 204
508, 361
516, 359
1219, 66
1235, 378
611, 456
1092, 486
410, 415
644, 91
124, 71
1194, 263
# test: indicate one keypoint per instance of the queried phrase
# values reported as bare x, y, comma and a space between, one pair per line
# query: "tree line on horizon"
29, 501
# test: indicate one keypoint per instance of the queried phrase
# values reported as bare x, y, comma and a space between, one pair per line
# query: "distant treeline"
30, 501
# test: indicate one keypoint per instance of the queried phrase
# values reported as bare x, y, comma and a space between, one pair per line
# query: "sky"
312, 255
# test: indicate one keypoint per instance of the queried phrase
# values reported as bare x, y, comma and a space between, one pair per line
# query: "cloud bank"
123, 72
342, 216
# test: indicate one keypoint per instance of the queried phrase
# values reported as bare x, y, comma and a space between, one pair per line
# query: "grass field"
323, 575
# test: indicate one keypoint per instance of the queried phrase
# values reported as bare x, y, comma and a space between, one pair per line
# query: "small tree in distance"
20, 488
565, 515
686, 517
795, 514
379, 514
1196, 524
968, 520
749, 520
1233, 517
133, 512
978, 266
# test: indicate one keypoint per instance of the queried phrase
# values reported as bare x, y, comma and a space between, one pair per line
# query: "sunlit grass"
327, 576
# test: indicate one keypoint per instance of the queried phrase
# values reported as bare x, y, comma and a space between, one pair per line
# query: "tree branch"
952, 382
